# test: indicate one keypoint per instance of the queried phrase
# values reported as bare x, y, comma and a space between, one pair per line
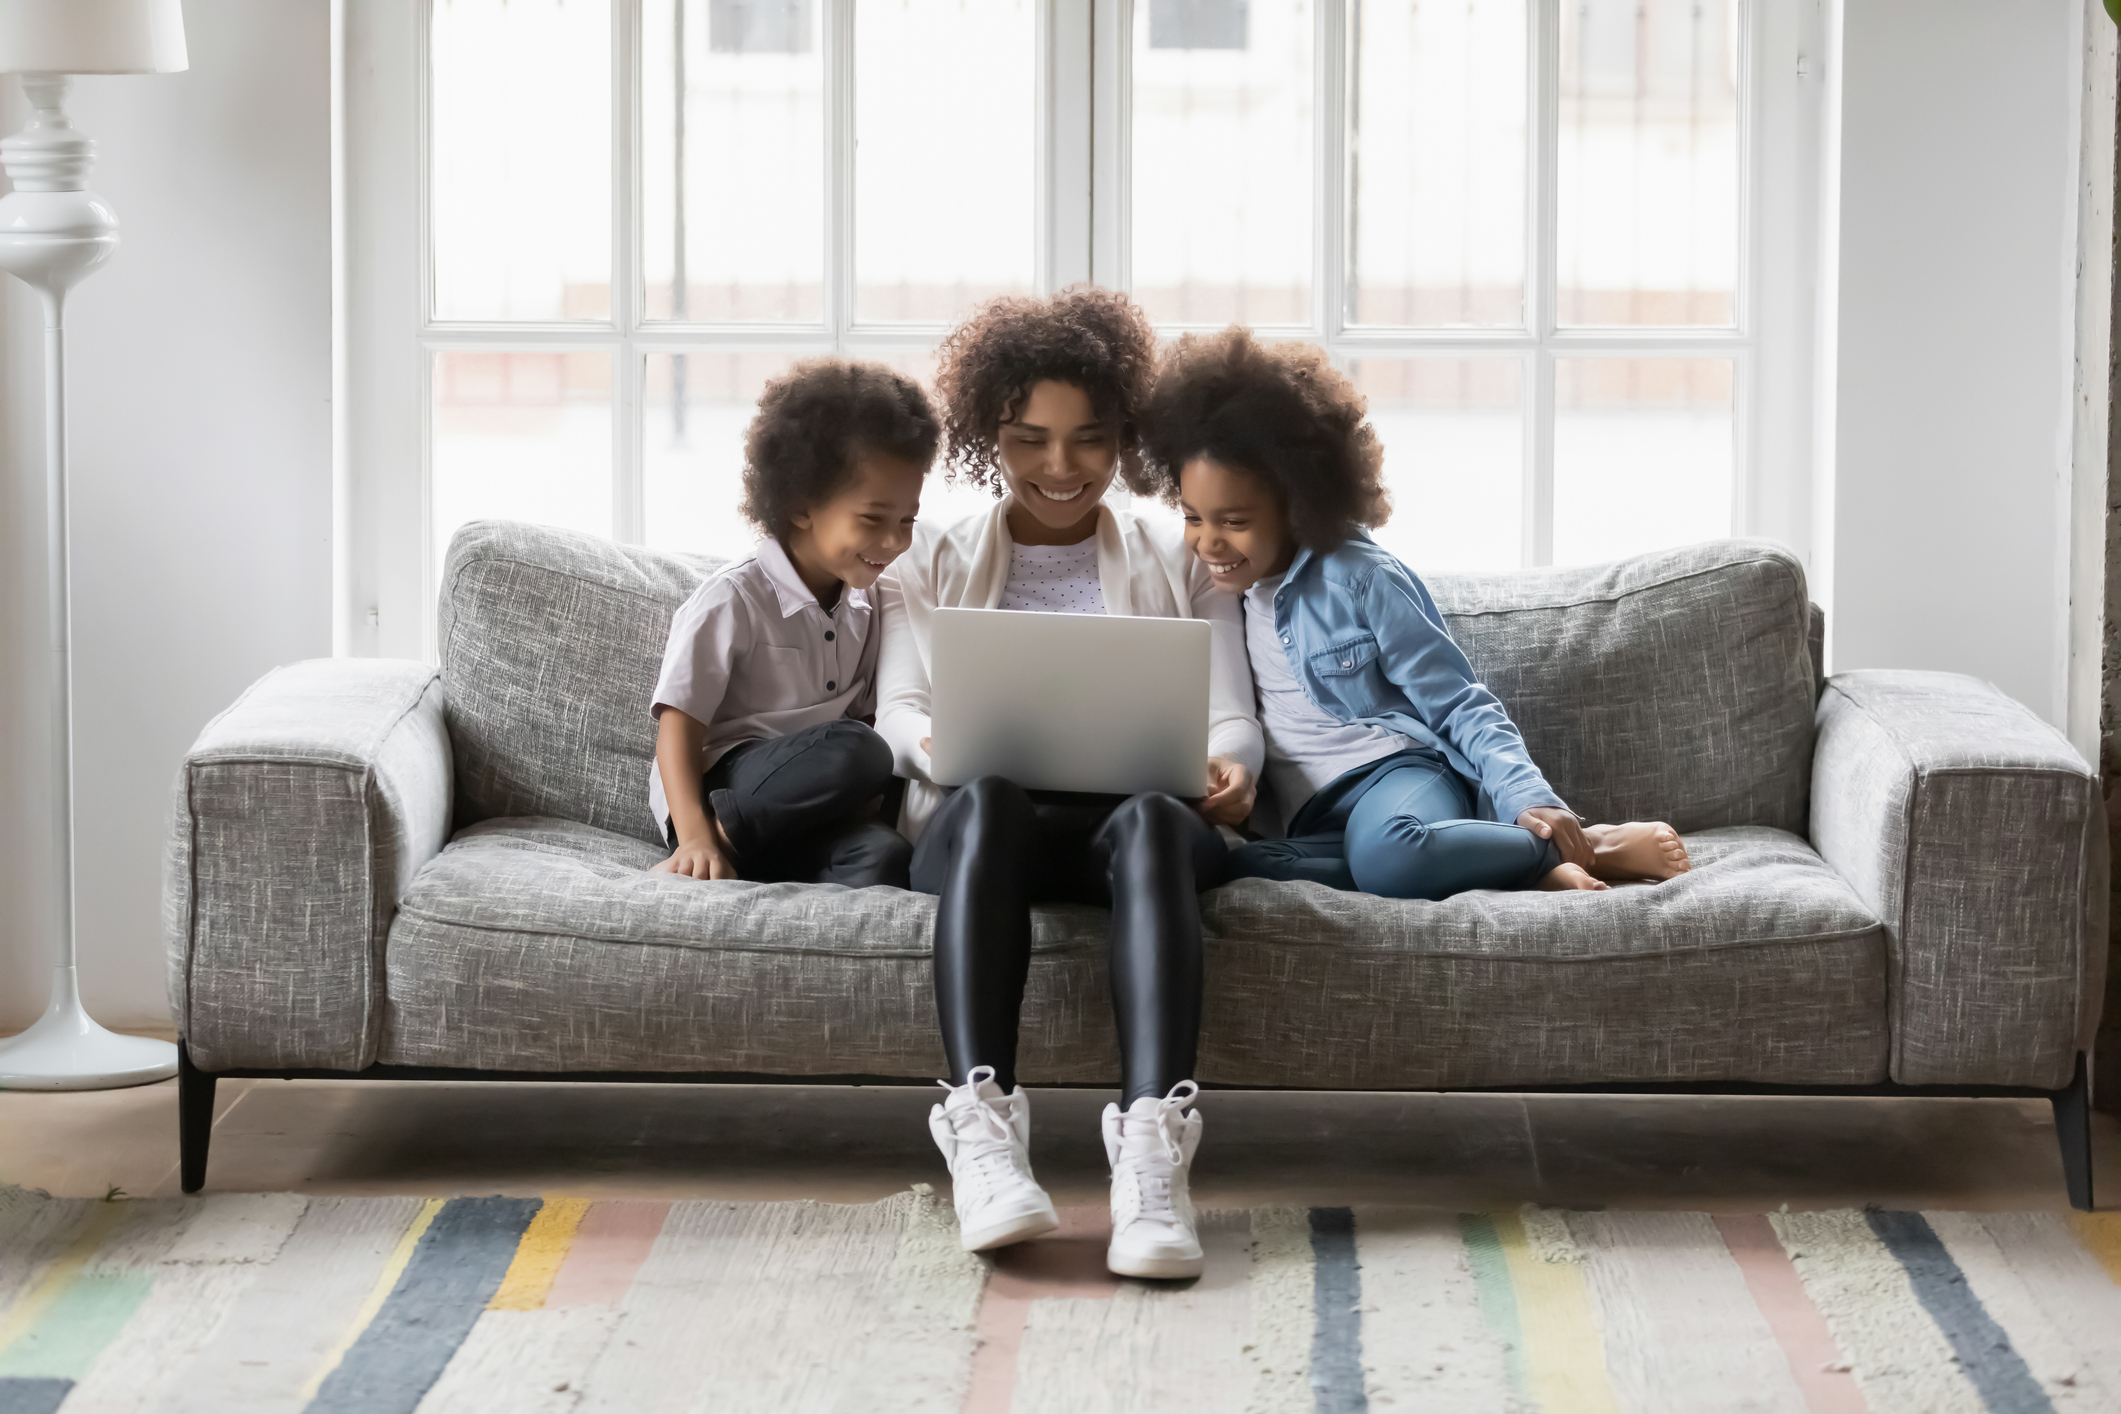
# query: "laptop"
1076, 702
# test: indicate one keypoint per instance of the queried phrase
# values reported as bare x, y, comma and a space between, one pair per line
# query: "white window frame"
385, 566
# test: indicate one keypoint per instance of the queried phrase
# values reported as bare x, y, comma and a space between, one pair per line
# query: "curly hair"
1094, 339
811, 424
1281, 412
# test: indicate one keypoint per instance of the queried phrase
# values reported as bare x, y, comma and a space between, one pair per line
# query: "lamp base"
67, 1050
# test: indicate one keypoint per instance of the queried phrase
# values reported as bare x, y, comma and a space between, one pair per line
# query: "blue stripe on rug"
454, 1272
1984, 1349
24, 1394
1336, 1301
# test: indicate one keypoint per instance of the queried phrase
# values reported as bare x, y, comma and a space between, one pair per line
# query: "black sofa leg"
195, 1121
2073, 1127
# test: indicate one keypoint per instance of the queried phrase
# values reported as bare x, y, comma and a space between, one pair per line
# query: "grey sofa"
385, 869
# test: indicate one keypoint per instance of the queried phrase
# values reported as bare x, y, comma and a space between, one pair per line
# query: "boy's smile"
853, 537
1234, 524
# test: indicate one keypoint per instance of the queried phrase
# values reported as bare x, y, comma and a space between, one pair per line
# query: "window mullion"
627, 510
1111, 149
1329, 207
838, 16
1544, 128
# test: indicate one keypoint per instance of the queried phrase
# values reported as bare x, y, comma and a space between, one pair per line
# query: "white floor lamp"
54, 231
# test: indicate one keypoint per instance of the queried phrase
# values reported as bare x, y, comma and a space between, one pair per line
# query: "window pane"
1222, 161
1453, 433
1642, 455
1436, 164
945, 96
521, 163
697, 409
733, 121
521, 436
1648, 162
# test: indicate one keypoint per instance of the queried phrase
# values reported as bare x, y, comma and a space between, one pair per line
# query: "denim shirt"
1365, 640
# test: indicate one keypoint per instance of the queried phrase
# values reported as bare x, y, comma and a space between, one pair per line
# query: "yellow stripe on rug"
545, 1245
60, 1275
1564, 1355
393, 1268
2101, 1235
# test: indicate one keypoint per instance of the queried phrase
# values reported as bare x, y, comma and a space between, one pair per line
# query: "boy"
764, 768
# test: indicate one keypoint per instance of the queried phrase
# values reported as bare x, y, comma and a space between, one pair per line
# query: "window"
1520, 225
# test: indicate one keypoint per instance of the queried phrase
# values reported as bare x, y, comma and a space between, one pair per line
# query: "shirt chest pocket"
1352, 672
778, 678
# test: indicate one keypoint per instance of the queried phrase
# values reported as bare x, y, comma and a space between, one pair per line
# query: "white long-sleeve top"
1142, 569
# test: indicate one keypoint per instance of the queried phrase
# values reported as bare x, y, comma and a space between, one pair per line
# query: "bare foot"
1638, 850
1568, 876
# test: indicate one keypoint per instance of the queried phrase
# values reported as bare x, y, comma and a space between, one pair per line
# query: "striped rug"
272, 1302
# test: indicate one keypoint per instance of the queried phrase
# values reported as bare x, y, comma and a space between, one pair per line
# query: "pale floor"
857, 1144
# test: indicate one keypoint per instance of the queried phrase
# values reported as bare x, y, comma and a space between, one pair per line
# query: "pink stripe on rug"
609, 1247
1821, 1370
1070, 1263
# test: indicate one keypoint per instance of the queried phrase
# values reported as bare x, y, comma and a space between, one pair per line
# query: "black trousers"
798, 809
994, 849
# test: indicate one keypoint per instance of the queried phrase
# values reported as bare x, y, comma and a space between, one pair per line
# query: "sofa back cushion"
1674, 686
551, 644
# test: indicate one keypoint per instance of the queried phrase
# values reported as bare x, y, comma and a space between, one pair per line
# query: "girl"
1041, 399
1394, 770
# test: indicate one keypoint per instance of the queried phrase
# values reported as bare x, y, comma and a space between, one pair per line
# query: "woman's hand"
1550, 823
1231, 792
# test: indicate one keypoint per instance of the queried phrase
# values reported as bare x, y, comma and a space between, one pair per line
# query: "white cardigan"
1142, 568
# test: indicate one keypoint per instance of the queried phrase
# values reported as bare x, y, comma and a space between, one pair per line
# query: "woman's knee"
995, 805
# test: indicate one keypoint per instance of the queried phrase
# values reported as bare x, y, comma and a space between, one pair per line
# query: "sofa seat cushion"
543, 945
1759, 965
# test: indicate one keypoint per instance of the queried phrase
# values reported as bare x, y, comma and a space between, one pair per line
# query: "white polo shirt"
753, 655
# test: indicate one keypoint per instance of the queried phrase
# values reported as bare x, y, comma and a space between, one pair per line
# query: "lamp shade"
92, 36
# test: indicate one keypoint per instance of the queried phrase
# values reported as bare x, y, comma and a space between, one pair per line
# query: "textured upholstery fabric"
1976, 833
540, 945
1676, 686
551, 643
301, 813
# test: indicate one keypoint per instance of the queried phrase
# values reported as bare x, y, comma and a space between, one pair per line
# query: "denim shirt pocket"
1352, 675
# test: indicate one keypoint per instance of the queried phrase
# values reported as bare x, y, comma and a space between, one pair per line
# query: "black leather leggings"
994, 849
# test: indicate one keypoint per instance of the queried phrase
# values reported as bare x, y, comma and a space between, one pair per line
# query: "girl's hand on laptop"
1563, 828
1231, 793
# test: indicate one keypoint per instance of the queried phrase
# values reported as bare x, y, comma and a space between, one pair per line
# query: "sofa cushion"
551, 643
1674, 686
543, 945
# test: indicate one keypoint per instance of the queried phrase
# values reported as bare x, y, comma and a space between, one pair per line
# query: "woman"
1040, 404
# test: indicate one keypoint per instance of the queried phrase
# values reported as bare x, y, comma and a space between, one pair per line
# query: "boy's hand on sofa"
1563, 828
1231, 793
697, 861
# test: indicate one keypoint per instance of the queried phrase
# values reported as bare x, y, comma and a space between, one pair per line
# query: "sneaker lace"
986, 1146
1150, 1174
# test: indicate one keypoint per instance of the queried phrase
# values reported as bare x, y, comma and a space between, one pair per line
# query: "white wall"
1948, 439
200, 382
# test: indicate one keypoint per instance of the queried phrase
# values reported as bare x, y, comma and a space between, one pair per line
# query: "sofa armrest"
301, 814
1977, 835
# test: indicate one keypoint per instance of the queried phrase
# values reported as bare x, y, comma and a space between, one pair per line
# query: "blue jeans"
1407, 834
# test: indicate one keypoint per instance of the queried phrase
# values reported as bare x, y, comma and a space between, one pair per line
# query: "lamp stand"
53, 231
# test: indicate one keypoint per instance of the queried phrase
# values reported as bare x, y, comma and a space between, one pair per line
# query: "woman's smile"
1052, 495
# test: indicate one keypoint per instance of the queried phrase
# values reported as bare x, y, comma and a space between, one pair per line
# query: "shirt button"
828, 635
831, 687
1285, 638
1347, 662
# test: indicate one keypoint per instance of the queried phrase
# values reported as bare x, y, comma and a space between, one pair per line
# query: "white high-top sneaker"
985, 1137
1155, 1232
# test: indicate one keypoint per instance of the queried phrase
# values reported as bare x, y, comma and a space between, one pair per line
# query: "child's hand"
1564, 829
697, 861
1231, 793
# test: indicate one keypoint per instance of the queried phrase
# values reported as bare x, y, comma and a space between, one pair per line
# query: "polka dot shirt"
1054, 579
